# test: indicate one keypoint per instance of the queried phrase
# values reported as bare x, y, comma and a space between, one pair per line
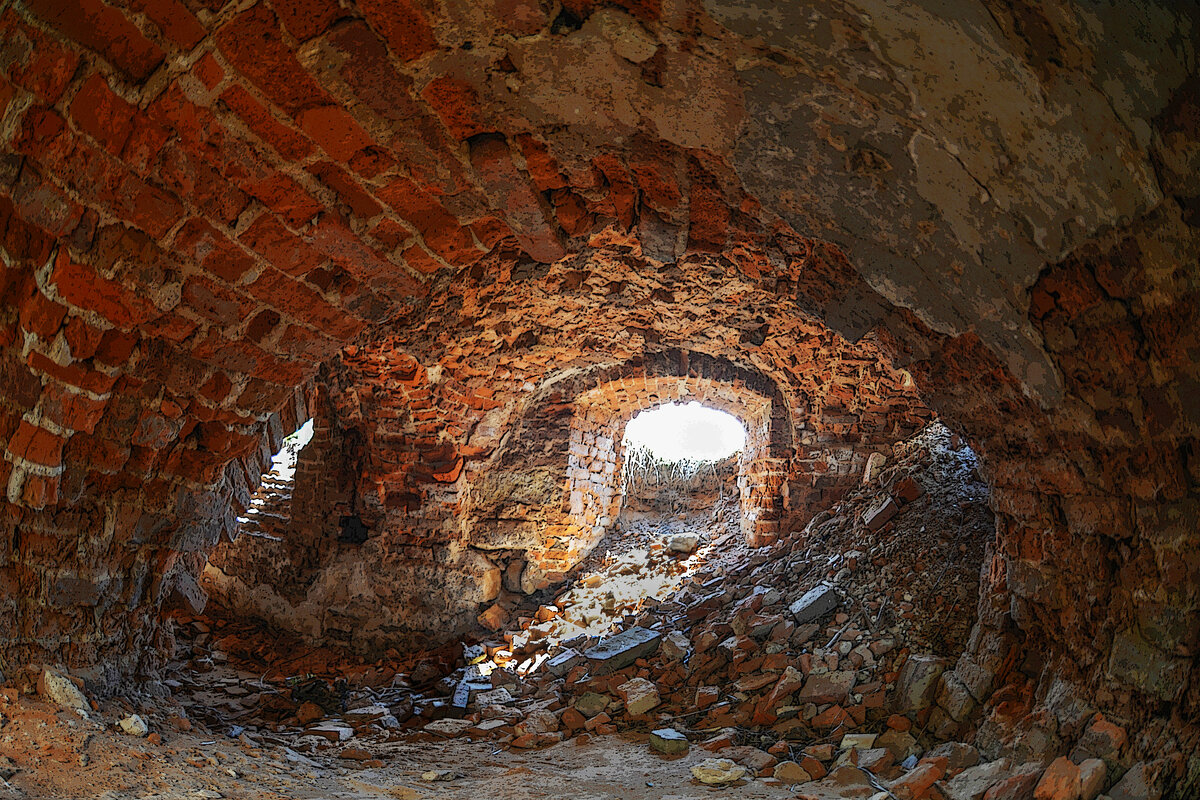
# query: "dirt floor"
247, 712
71, 758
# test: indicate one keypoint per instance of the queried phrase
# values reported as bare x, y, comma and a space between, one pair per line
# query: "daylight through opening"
686, 432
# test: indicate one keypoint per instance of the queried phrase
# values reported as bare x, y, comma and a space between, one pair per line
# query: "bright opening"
284, 462
691, 432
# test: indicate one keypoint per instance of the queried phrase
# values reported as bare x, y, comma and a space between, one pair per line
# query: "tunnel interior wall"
196, 211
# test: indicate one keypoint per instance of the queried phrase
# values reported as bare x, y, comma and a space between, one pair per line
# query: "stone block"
814, 604
828, 687
954, 698
974, 781
668, 741
640, 695
564, 662
591, 703
618, 652
1060, 781
62, 691
1140, 782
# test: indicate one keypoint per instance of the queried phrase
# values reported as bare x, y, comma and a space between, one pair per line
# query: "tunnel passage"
200, 208
493, 525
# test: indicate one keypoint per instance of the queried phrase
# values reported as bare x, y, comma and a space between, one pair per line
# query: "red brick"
84, 288
489, 231
40, 491
709, 214
285, 197
541, 165
279, 246
216, 388
211, 249
304, 19
331, 237
115, 347
302, 303
71, 410
390, 233
36, 444
193, 176
172, 327
101, 114
213, 302
41, 315
417, 258
253, 43
287, 142
43, 134
652, 166
144, 147
334, 130
915, 784
403, 24
44, 66
102, 28
513, 194
437, 226
173, 20
621, 190
82, 338
354, 196
372, 162
457, 103
209, 71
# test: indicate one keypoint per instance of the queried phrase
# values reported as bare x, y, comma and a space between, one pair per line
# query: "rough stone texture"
917, 682
621, 650
816, 603
995, 203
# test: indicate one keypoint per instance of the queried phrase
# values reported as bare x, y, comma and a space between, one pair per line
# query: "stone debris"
791, 772
436, 775
716, 771
60, 690
683, 543
814, 604
669, 741
881, 514
834, 682
618, 652
640, 695
134, 725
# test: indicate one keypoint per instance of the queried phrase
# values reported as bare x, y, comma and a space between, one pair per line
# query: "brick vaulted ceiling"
201, 202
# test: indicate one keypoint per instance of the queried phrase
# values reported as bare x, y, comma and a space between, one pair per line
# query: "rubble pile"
815, 662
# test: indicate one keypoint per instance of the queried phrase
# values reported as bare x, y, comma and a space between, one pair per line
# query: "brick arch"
569, 432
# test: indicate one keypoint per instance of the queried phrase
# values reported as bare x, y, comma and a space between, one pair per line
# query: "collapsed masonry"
471, 239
